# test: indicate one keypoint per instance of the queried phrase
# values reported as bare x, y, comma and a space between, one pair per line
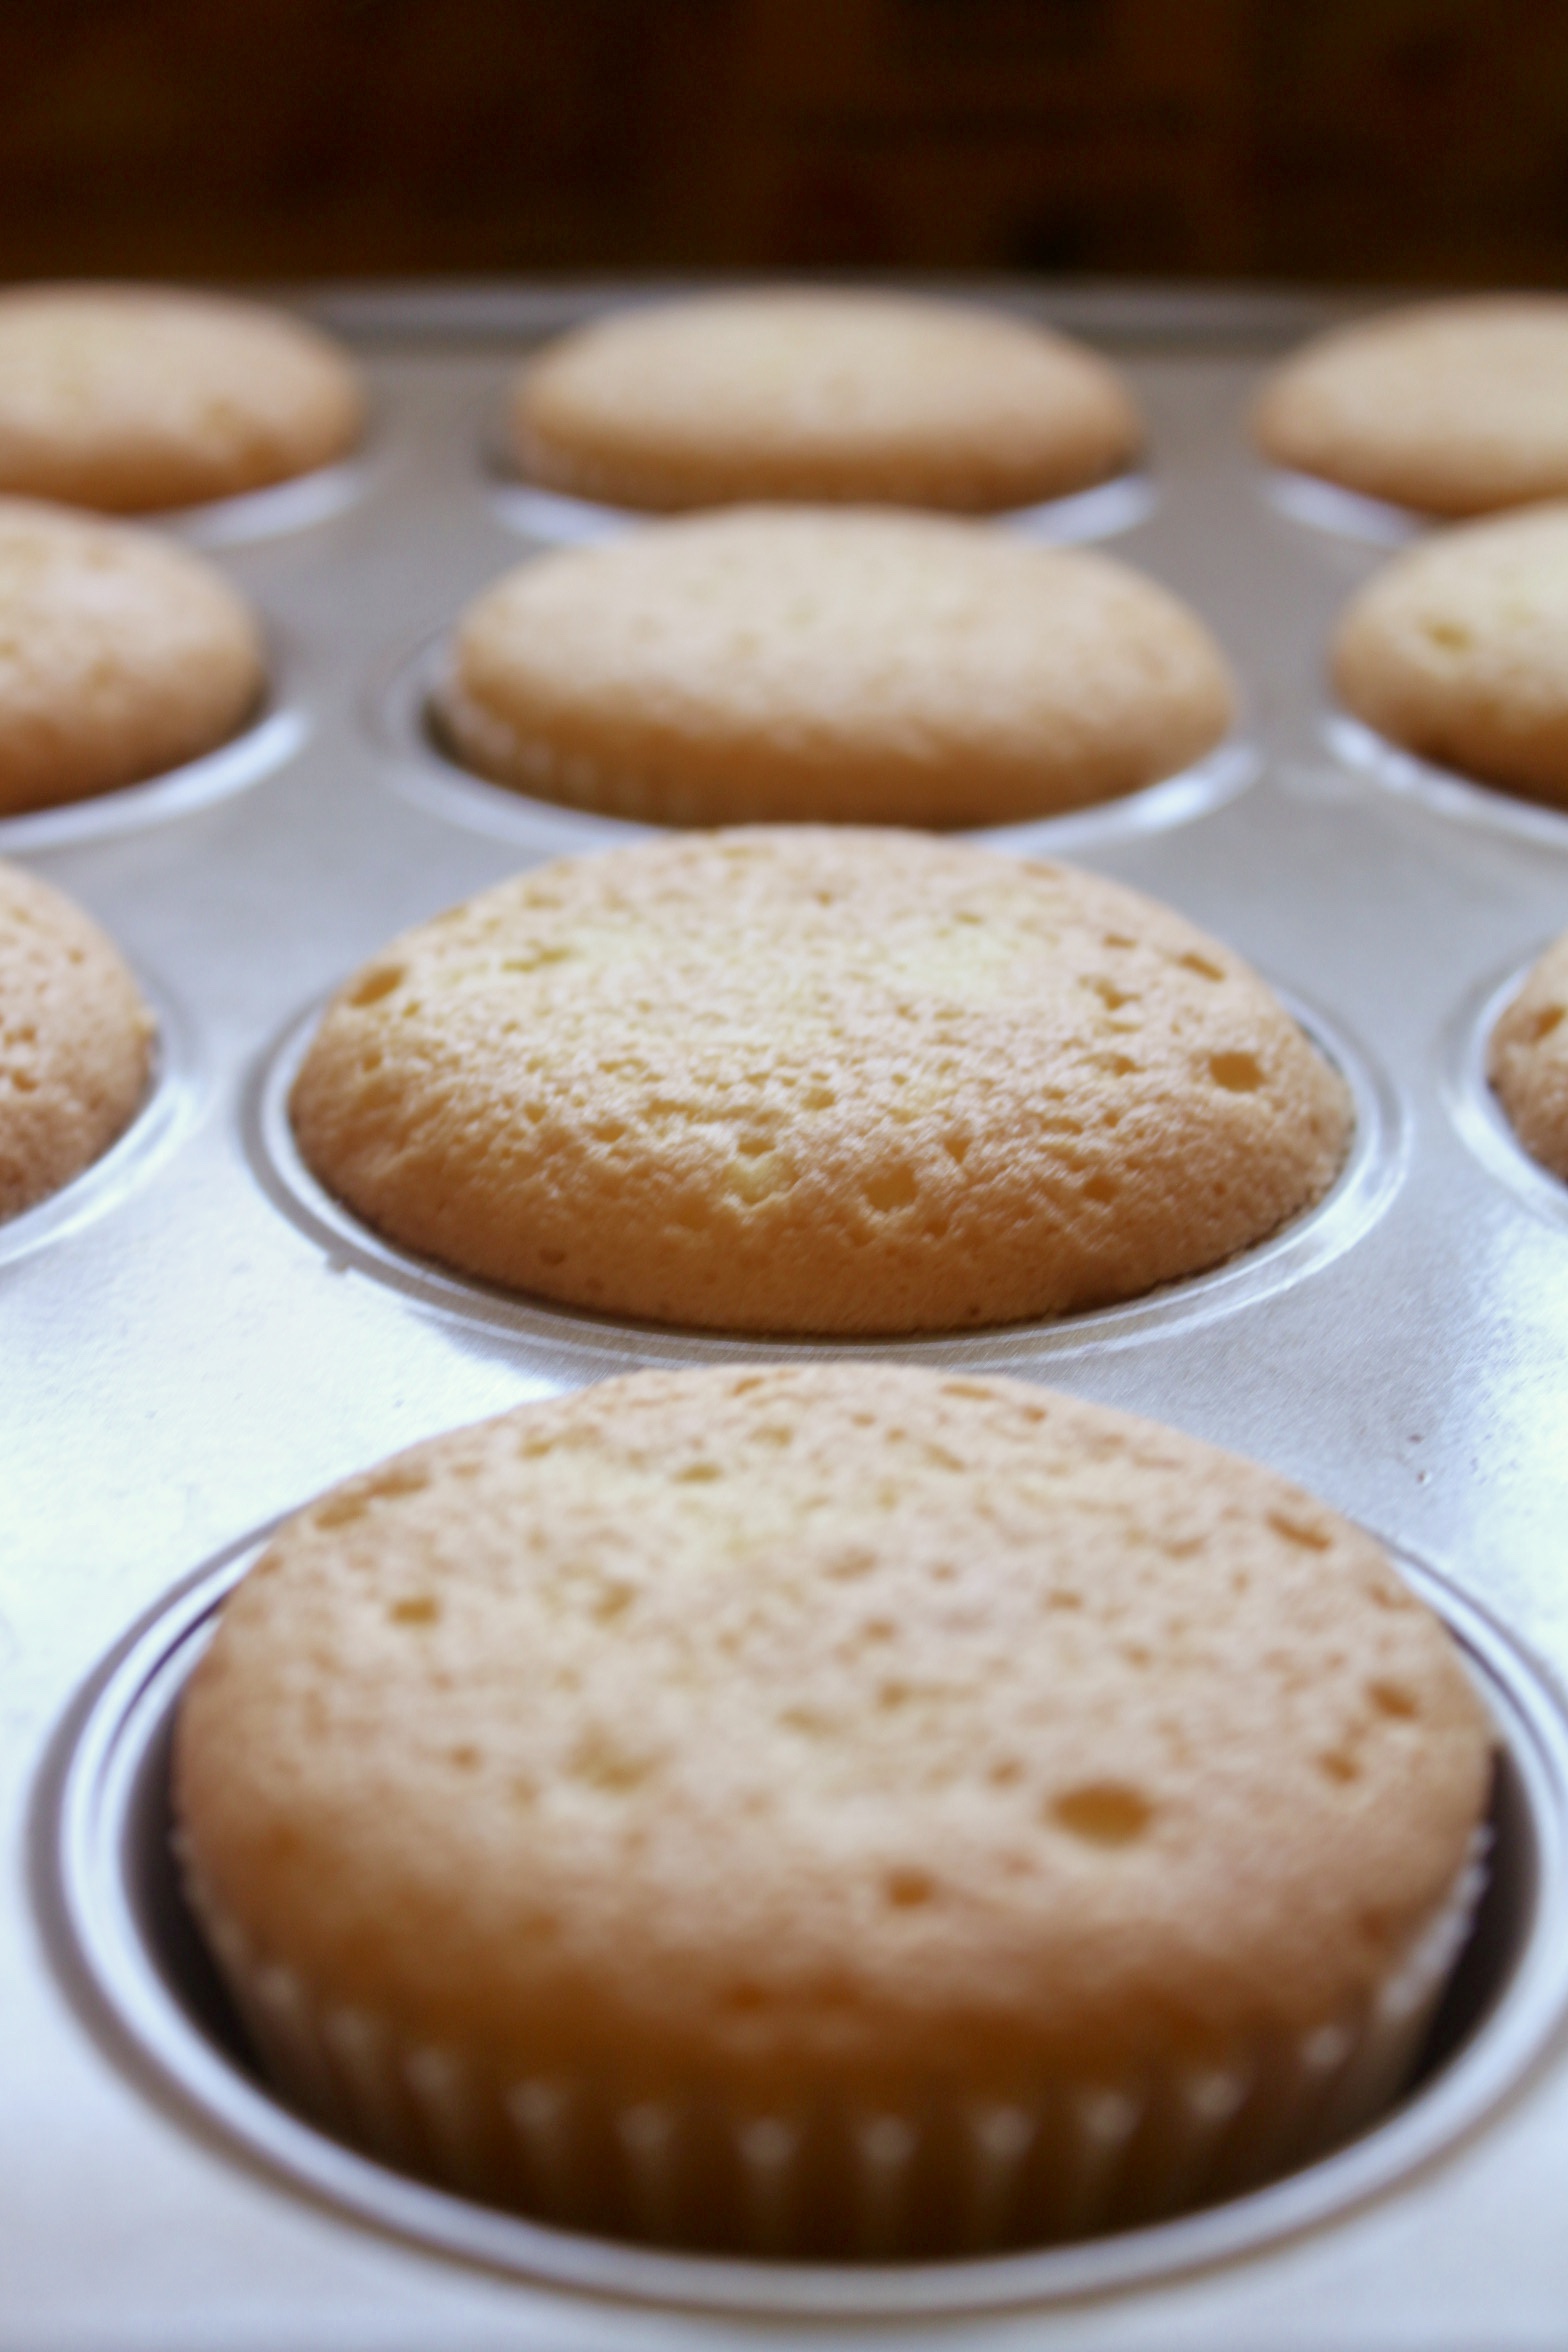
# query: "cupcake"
820, 395
132, 398
1527, 1061
805, 1080
1458, 650
75, 1042
1454, 408
805, 664
835, 1812
121, 655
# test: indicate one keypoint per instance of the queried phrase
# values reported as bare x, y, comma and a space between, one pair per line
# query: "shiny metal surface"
195, 1355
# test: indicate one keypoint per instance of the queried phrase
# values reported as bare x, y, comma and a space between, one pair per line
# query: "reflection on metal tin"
556, 519
1475, 1109
272, 513
167, 1109
113, 1906
1442, 789
267, 744
1353, 1203
1348, 514
428, 775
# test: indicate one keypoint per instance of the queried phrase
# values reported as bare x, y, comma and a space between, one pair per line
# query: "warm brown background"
1336, 140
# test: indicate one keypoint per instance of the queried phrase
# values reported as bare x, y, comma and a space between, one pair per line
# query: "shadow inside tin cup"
1373, 1169
427, 770
114, 1912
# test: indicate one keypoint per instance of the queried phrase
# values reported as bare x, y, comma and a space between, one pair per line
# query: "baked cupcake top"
120, 655
1453, 407
817, 1080
1527, 1061
132, 398
75, 1041
1458, 650
820, 395
830, 1728
774, 664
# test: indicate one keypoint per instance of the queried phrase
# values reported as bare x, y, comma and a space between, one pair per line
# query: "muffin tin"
206, 1342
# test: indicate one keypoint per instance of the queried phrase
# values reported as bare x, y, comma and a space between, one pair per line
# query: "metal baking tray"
195, 1340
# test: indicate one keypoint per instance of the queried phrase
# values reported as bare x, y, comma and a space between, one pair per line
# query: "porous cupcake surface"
862, 667
817, 1080
1458, 650
1455, 408
831, 1731
820, 395
121, 655
75, 1041
132, 398
1527, 1061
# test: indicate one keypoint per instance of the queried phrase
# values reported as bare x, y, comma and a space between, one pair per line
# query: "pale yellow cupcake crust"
1458, 650
831, 666
817, 1080
840, 1735
76, 1042
121, 655
1527, 1061
134, 398
820, 395
1454, 408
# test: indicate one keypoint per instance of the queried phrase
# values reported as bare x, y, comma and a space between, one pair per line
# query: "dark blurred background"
1332, 140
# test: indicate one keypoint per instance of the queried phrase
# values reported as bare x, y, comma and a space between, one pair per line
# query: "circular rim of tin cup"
276, 732
298, 503
1444, 791
1343, 514
558, 518
109, 1898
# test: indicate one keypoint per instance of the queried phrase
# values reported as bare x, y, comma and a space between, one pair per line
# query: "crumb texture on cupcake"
1527, 1061
121, 655
817, 1080
820, 395
132, 398
768, 665
75, 1042
1454, 408
1458, 650
819, 1745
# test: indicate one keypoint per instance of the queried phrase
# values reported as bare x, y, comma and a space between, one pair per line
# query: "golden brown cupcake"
820, 395
817, 1080
847, 1811
1454, 408
75, 1042
132, 398
1458, 651
1527, 1061
771, 665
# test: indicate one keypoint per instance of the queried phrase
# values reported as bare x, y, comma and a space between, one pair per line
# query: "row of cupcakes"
134, 400
791, 663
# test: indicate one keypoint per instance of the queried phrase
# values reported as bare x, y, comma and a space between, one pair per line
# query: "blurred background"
1339, 141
